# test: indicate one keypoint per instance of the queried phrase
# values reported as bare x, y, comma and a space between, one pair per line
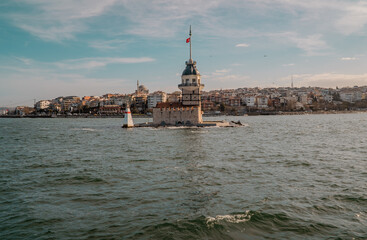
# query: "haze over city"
50, 48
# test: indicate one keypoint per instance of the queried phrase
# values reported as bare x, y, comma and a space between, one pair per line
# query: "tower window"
187, 81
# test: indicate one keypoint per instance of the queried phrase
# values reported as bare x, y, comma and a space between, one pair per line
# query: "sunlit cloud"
348, 58
108, 44
90, 63
288, 65
327, 80
242, 45
57, 20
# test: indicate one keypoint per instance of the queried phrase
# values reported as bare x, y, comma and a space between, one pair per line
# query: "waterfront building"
23, 110
188, 110
140, 102
207, 106
174, 97
110, 109
155, 98
262, 101
42, 104
249, 100
69, 103
351, 96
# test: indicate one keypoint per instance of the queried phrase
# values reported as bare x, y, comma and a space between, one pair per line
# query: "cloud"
348, 58
63, 20
164, 18
354, 18
25, 61
223, 78
108, 44
91, 63
242, 45
312, 45
288, 65
327, 80
56, 20
221, 71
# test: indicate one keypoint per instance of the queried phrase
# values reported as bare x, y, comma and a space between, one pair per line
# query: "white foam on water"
235, 218
85, 129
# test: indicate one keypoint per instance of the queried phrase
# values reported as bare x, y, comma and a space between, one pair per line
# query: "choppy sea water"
278, 177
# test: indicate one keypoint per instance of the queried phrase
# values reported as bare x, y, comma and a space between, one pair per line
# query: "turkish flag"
188, 40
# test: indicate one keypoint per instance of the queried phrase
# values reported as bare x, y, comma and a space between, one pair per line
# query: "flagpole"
190, 42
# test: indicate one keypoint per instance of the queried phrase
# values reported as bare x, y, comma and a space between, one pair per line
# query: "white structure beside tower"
128, 119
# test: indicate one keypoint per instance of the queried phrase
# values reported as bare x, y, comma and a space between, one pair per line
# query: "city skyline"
81, 48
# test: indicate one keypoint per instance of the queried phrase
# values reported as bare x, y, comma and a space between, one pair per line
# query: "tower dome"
190, 68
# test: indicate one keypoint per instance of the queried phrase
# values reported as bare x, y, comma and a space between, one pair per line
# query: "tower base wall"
183, 115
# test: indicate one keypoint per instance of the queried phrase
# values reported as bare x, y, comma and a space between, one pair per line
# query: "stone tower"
188, 110
190, 82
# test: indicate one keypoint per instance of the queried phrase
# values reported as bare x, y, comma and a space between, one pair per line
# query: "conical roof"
190, 68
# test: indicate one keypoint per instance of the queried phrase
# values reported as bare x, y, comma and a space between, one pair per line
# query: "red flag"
188, 40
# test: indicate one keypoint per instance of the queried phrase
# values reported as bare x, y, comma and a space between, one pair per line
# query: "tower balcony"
190, 85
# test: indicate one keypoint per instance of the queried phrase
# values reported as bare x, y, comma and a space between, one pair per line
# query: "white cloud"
354, 18
90, 63
108, 44
327, 80
242, 45
223, 78
57, 20
348, 58
60, 20
312, 45
288, 65
25, 61
221, 71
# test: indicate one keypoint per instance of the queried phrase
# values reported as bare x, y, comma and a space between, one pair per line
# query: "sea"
276, 177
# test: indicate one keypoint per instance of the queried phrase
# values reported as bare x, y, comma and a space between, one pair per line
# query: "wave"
243, 225
236, 218
85, 129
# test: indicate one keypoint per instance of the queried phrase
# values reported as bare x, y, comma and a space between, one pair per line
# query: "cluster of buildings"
235, 101
285, 99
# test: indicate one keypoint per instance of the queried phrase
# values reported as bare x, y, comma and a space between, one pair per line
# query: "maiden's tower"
188, 110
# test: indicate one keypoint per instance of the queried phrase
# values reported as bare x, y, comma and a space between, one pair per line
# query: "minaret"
190, 82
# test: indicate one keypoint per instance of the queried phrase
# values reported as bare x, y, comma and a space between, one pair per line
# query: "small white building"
351, 96
249, 101
155, 98
328, 98
42, 104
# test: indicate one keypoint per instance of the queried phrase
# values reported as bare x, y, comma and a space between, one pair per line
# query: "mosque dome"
143, 88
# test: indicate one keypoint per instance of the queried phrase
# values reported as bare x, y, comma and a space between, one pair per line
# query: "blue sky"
91, 47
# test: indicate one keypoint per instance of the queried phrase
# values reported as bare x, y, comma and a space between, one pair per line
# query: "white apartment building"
351, 96
155, 98
249, 101
43, 104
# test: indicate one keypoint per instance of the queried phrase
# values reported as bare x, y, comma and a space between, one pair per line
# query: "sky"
92, 47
